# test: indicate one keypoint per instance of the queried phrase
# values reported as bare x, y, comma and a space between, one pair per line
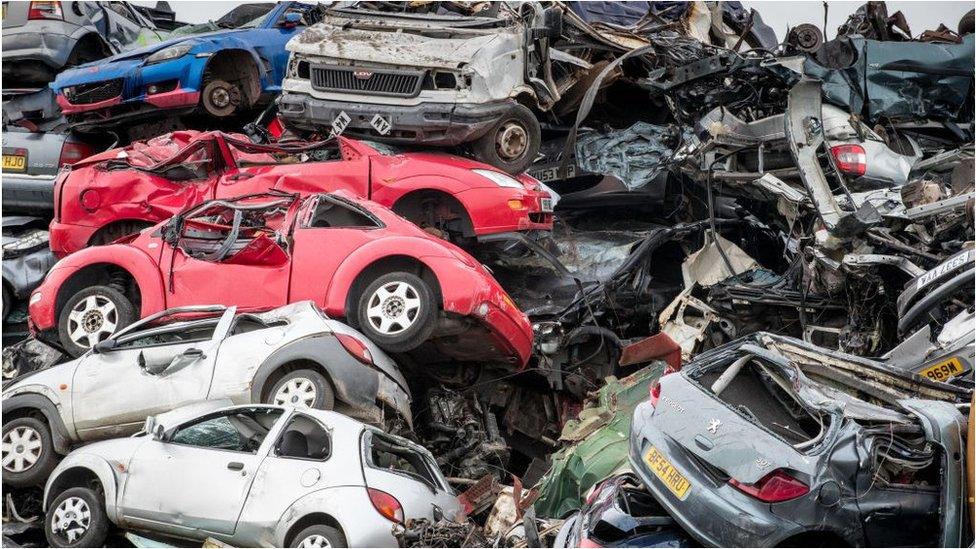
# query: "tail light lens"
386, 505
850, 159
655, 390
356, 348
774, 487
73, 152
45, 10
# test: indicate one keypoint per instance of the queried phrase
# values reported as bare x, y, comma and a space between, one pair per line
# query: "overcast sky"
778, 14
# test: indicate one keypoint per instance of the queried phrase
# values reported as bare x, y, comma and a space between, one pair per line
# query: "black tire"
98, 328
334, 536
94, 532
221, 99
524, 136
967, 23
323, 397
421, 323
22, 433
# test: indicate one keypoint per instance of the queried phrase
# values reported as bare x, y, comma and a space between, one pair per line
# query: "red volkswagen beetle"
121, 191
357, 260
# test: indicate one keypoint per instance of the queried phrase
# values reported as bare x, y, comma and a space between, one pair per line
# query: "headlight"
28, 241
500, 179
166, 54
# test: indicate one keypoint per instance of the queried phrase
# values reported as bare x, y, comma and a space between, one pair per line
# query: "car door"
194, 481
146, 372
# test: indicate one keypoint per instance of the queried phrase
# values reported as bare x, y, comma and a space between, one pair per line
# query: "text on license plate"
14, 162
943, 370
546, 204
670, 476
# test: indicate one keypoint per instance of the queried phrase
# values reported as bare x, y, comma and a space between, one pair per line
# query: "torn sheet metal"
707, 265
635, 155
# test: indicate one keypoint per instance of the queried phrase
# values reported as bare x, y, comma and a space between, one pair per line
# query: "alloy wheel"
393, 308
299, 392
92, 320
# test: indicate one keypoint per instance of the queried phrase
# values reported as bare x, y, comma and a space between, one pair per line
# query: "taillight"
73, 152
386, 505
44, 10
356, 348
90, 199
774, 487
655, 390
850, 159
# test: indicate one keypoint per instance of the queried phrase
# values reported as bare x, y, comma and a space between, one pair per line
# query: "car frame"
291, 355
397, 283
275, 488
103, 198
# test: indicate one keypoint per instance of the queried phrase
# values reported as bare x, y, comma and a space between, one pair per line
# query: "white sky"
778, 14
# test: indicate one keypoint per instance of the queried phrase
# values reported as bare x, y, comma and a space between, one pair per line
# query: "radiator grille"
86, 94
377, 82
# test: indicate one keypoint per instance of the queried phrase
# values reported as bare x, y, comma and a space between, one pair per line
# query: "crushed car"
26, 258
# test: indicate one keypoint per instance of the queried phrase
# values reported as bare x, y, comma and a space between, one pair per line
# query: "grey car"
769, 440
248, 476
41, 38
26, 257
290, 355
31, 161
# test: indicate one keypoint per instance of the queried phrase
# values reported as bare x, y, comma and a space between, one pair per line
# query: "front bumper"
440, 124
717, 515
33, 194
66, 238
34, 44
503, 210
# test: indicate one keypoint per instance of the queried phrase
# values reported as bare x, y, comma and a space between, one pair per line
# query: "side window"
240, 430
387, 454
330, 214
182, 334
121, 9
304, 438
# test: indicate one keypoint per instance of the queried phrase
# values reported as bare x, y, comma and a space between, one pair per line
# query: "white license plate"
546, 175
546, 204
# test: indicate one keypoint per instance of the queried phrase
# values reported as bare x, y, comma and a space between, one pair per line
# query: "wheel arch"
41, 407
410, 206
79, 470
225, 61
376, 268
119, 224
311, 519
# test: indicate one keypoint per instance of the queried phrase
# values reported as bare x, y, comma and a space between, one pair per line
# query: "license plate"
546, 175
666, 472
14, 163
943, 370
546, 204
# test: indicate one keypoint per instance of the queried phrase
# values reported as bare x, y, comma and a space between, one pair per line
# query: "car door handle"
235, 466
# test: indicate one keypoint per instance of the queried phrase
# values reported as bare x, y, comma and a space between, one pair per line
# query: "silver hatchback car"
248, 476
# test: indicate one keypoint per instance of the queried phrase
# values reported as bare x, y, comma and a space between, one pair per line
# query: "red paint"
141, 195
263, 275
174, 98
68, 108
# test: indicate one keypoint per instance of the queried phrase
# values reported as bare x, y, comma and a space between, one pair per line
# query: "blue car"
218, 73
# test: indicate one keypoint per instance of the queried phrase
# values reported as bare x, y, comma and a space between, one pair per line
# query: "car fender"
43, 400
97, 465
345, 504
377, 250
216, 45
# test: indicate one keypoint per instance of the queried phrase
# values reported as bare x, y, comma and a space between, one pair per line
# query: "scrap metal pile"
460, 274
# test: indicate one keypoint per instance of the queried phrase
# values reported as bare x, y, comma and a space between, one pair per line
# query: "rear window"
388, 454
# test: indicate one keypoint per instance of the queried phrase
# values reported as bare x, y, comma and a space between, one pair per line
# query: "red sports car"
118, 192
357, 260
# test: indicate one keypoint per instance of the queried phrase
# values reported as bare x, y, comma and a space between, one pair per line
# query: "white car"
291, 355
249, 476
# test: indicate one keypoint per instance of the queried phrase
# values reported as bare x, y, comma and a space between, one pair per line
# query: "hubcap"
315, 540
20, 449
512, 141
393, 308
299, 392
92, 320
71, 519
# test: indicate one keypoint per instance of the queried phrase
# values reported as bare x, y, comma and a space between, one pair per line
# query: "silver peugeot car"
248, 476
291, 355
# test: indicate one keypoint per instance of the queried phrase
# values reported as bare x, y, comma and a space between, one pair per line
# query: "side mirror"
104, 346
159, 432
155, 430
291, 20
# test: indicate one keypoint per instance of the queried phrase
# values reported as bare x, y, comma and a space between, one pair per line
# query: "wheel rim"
315, 540
92, 320
393, 308
20, 449
511, 141
298, 392
71, 519
220, 97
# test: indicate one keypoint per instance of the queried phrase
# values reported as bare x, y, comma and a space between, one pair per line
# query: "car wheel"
76, 518
92, 315
319, 535
27, 452
397, 311
513, 143
221, 98
303, 389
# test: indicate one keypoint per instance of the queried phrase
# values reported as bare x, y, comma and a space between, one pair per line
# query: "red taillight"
774, 487
655, 392
90, 199
387, 505
44, 10
850, 159
73, 152
356, 348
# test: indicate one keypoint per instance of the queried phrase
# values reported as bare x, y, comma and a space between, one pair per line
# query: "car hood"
48, 377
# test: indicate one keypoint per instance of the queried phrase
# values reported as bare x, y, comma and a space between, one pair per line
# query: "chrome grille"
358, 80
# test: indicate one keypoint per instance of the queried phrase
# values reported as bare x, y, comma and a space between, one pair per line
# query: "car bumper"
502, 210
715, 514
42, 316
440, 124
66, 238
30, 43
27, 193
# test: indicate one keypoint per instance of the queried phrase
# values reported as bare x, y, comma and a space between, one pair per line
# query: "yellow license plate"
14, 163
943, 370
670, 476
